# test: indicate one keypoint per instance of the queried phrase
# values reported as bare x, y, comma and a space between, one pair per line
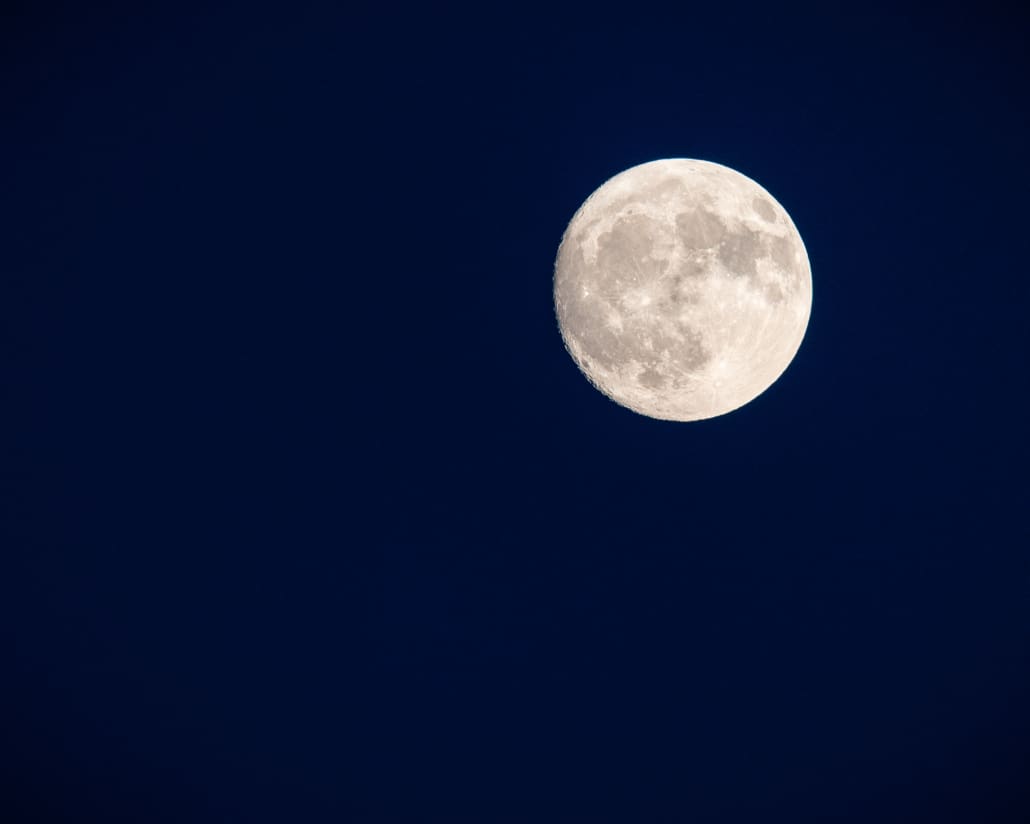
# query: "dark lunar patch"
764, 209
651, 379
667, 302
690, 354
699, 229
682, 351
740, 252
685, 351
676, 294
782, 252
624, 252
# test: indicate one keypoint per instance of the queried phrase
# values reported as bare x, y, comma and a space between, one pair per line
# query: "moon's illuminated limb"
682, 289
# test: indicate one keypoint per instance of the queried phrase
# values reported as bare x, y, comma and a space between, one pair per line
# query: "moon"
682, 289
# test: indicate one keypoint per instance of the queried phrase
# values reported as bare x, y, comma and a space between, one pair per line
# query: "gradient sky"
306, 514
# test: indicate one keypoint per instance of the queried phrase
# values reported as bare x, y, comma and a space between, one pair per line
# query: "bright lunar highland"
682, 289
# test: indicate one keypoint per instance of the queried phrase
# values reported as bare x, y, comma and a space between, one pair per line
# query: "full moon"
682, 289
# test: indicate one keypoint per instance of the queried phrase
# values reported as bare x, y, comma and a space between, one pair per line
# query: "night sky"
306, 515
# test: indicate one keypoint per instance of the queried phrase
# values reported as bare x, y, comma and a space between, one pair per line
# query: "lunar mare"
682, 289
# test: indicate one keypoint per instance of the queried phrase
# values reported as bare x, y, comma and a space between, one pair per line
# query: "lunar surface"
682, 289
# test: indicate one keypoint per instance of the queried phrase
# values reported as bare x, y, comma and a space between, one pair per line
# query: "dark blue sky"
308, 516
